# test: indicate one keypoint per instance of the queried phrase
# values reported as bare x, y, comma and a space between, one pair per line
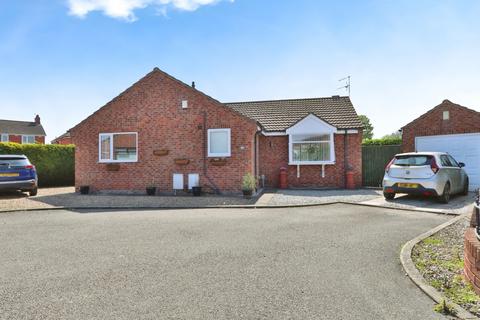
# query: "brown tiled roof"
21, 127
279, 115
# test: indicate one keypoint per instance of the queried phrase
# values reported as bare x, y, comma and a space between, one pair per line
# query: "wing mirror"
461, 164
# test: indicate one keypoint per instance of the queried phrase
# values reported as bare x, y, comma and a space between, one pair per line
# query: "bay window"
311, 142
311, 148
219, 144
118, 147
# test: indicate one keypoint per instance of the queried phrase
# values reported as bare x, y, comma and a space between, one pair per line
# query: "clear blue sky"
63, 59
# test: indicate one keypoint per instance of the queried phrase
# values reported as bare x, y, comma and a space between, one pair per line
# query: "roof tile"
279, 115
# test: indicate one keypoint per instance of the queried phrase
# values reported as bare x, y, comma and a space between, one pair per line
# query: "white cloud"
124, 9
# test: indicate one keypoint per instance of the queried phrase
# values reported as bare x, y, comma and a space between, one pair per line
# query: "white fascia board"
274, 133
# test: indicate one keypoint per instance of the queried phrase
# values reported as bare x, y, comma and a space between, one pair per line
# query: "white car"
426, 173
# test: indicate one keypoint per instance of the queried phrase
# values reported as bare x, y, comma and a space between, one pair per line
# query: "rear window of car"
13, 162
416, 160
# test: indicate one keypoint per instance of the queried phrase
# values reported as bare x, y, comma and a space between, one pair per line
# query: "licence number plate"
16, 174
408, 185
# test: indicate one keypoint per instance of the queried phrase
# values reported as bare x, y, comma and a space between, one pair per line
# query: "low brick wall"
471, 267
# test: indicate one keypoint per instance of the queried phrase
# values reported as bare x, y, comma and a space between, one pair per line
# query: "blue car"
17, 173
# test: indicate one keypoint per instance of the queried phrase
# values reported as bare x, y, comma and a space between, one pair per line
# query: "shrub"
55, 163
248, 182
382, 142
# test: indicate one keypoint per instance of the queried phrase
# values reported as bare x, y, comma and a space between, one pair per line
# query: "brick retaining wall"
471, 267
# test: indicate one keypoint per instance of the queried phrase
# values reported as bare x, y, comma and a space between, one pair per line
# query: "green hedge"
55, 163
382, 142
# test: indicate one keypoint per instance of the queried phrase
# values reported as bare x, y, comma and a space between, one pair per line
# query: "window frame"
2, 135
446, 115
111, 160
229, 145
25, 136
331, 143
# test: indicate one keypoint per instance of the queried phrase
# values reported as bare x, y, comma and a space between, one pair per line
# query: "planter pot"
247, 194
113, 167
151, 191
218, 162
197, 191
160, 153
182, 162
84, 189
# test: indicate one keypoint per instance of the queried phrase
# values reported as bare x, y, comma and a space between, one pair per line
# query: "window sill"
311, 163
219, 156
119, 161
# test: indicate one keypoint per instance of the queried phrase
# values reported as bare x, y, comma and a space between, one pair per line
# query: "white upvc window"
311, 149
219, 142
28, 139
311, 142
4, 137
118, 147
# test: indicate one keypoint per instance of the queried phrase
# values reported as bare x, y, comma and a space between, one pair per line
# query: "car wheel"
445, 197
465, 187
389, 196
33, 192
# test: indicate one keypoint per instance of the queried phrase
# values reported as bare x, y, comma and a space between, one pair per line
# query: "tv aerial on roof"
347, 84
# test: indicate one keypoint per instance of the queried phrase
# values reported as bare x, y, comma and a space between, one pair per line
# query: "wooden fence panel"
374, 160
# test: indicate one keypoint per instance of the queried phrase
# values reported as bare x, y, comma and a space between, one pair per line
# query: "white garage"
463, 147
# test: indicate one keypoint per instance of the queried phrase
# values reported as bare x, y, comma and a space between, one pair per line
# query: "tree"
367, 127
394, 135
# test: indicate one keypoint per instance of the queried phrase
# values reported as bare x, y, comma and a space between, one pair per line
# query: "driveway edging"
419, 280
246, 206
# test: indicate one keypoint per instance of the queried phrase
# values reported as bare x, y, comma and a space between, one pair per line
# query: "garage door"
463, 147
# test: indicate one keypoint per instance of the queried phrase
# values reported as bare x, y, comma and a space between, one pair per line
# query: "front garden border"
417, 278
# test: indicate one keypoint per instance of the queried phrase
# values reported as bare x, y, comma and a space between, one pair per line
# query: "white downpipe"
323, 171
298, 171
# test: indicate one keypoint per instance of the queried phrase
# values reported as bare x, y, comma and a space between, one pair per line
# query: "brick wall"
152, 107
462, 120
18, 139
471, 267
273, 154
63, 140
40, 139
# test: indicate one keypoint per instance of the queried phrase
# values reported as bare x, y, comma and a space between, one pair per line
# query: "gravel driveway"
330, 262
291, 196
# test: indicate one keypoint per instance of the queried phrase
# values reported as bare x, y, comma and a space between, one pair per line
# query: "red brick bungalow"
162, 132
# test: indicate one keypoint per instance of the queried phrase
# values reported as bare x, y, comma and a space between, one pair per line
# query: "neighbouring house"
63, 139
451, 128
22, 131
162, 132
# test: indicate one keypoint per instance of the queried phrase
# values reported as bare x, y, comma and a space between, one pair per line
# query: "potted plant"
151, 189
197, 191
248, 185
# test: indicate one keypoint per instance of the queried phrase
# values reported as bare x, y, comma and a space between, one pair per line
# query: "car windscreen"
413, 160
13, 162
